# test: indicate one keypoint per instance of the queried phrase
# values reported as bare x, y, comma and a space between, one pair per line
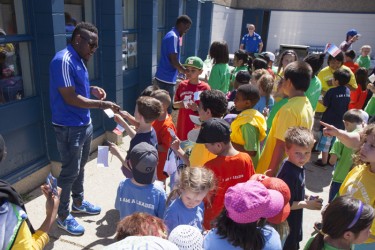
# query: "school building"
130, 34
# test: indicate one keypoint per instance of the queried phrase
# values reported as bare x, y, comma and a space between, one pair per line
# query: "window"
77, 11
161, 26
16, 79
129, 35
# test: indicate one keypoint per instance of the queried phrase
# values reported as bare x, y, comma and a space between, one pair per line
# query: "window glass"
161, 27
129, 51
129, 37
161, 13
77, 11
160, 38
129, 13
12, 20
16, 79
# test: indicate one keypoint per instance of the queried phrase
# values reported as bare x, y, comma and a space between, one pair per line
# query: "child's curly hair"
141, 224
368, 131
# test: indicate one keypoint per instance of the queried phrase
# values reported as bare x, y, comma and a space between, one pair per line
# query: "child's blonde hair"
257, 74
195, 179
265, 83
162, 95
300, 136
367, 131
365, 47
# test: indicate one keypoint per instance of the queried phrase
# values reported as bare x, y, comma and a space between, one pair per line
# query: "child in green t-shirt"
220, 72
340, 155
249, 127
364, 59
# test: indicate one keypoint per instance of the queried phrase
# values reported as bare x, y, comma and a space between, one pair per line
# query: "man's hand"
109, 105
98, 92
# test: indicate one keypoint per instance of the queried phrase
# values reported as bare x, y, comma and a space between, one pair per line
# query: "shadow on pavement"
317, 177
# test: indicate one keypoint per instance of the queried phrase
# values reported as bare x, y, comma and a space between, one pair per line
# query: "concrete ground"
100, 188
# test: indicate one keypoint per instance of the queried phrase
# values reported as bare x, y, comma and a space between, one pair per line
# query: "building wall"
227, 25
317, 5
318, 29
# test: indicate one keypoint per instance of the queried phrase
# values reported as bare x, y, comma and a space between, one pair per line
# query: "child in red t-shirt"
162, 125
230, 166
184, 97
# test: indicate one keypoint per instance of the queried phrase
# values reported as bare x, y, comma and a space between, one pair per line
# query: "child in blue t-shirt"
147, 110
140, 193
266, 101
336, 100
188, 207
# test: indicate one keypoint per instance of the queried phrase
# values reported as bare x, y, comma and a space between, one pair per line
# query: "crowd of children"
240, 182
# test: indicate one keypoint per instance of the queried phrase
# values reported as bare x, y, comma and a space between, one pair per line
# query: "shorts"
325, 143
316, 127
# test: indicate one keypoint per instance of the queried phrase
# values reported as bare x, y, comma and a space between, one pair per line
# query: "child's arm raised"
175, 146
351, 140
129, 118
129, 130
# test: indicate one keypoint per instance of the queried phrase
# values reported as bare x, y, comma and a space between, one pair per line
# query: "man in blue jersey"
70, 104
169, 64
251, 42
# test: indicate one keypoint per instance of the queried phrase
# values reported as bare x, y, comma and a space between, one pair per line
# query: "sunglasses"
92, 45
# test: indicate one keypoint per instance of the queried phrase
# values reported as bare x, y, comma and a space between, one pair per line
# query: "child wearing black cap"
230, 166
140, 193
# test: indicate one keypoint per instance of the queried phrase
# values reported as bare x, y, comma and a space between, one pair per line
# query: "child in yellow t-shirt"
249, 127
359, 183
296, 112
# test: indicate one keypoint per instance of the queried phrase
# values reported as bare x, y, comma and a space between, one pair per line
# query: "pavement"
101, 187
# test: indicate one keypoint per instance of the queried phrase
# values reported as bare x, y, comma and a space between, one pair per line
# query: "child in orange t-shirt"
184, 98
349, 61
230, 166
162, 125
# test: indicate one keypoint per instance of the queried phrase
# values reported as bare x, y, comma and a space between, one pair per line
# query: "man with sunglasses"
70, 102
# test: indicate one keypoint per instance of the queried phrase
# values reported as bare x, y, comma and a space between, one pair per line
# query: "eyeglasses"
92, 45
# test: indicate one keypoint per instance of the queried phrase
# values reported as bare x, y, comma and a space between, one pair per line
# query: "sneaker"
320, 163
70, 225
86, 208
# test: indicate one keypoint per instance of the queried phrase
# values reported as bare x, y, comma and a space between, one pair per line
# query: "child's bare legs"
324, 158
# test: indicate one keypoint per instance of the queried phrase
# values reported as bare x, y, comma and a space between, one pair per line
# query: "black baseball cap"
243, 77
143, 159
214, 130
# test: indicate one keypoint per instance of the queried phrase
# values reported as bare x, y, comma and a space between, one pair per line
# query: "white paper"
171, 132
102, 156
109, 113
372, 78
196, 95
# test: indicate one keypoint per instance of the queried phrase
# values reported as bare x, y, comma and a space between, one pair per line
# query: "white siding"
226, 25
317, 29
